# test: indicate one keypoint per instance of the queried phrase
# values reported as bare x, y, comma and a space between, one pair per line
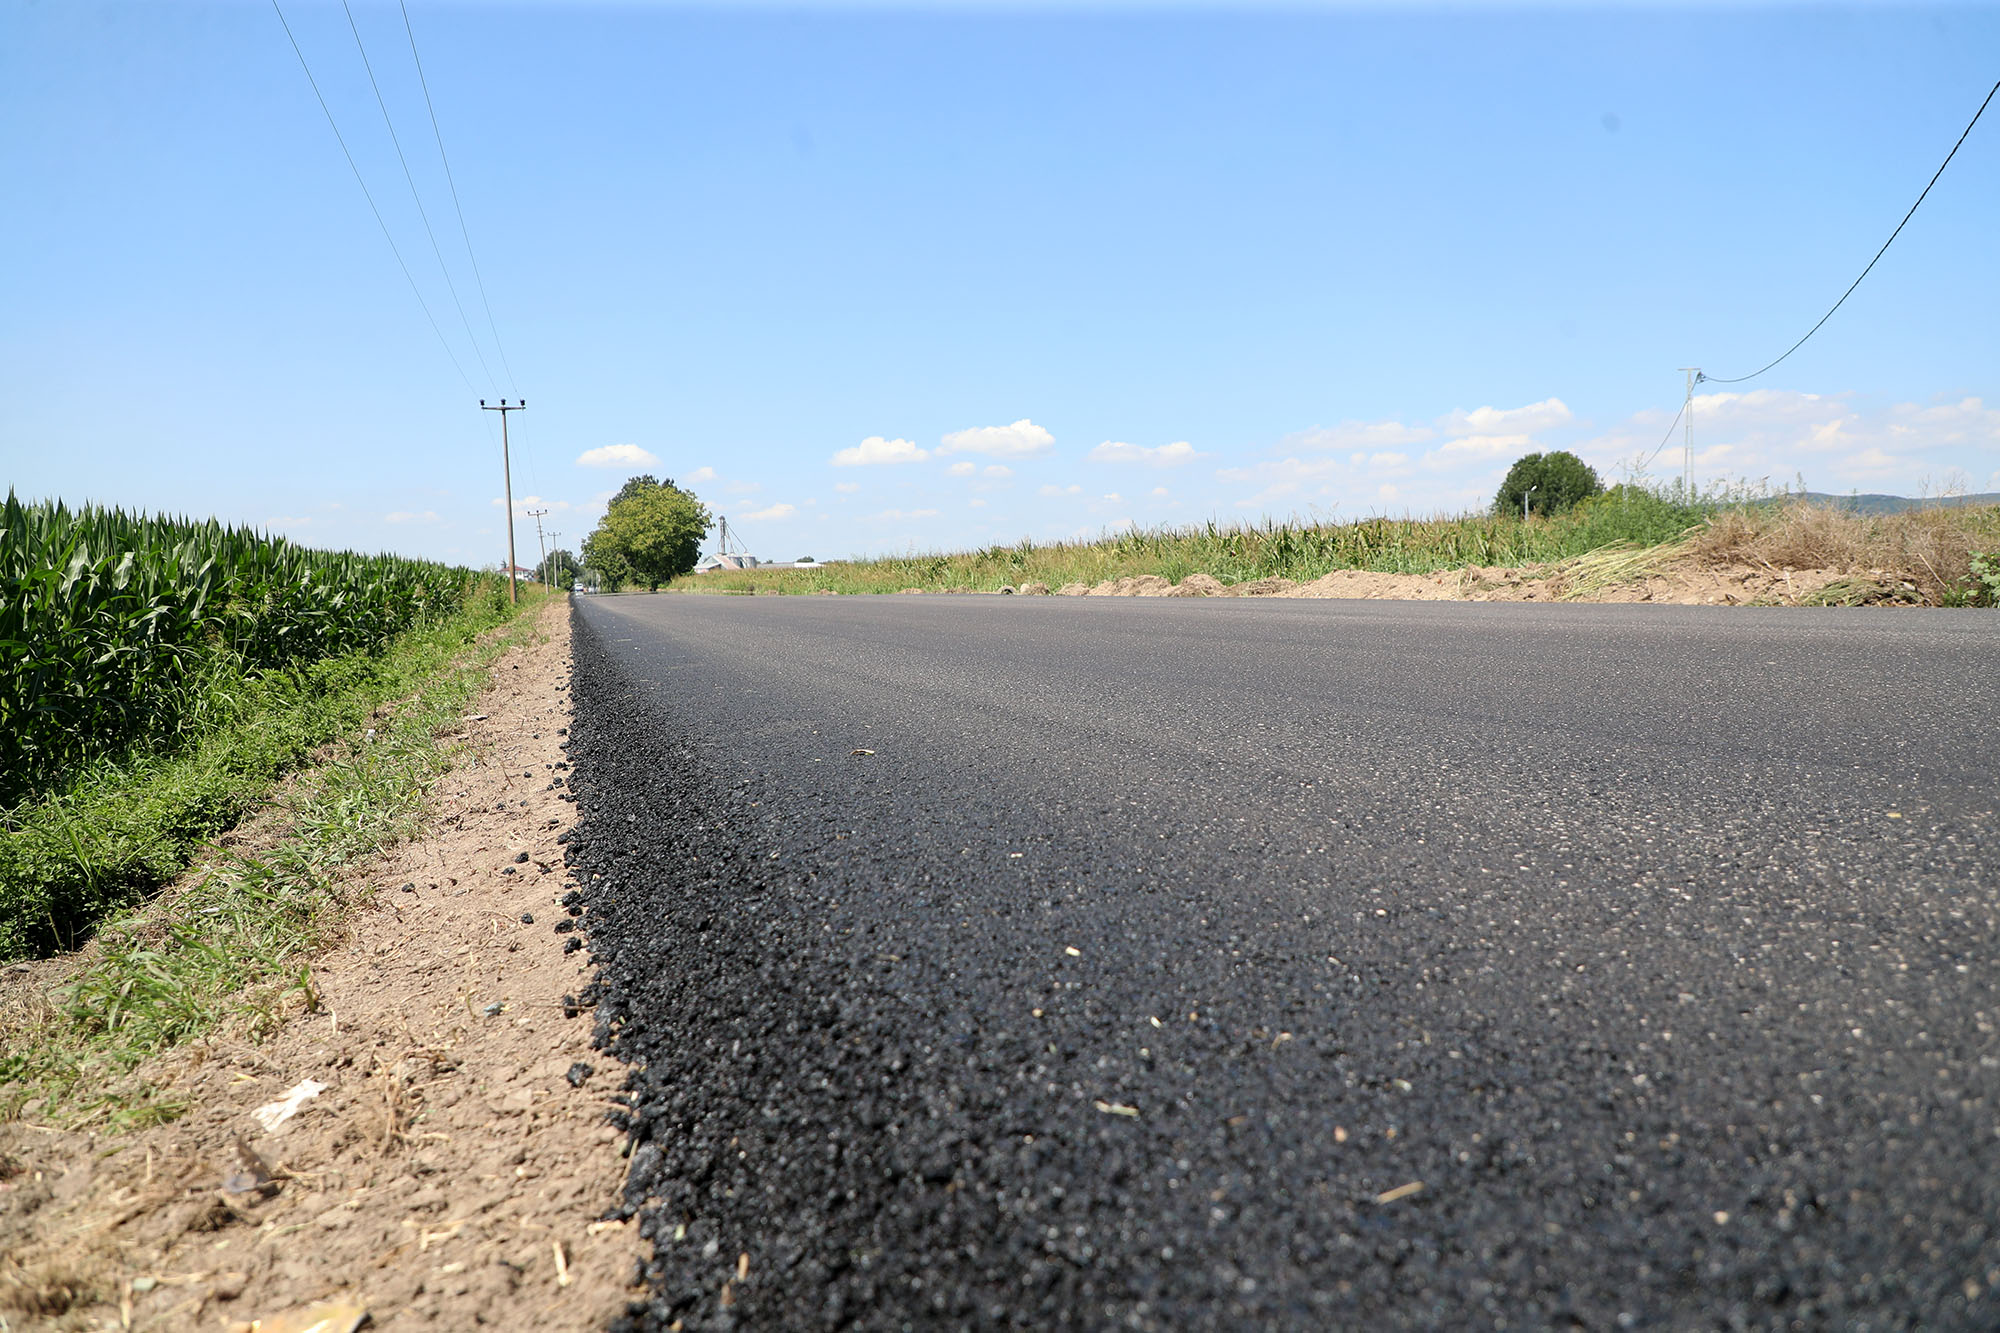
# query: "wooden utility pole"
507, 475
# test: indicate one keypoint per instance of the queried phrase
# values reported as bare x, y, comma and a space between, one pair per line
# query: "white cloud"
1548, 413
1872, 461
701, 474
997, 470
1290, 472
1838, 441
1475, 449
1835, 440
906, 513
1160, 492
616, 455
1967, 421
1353, 435
1319, 483
523, 503
411, 516
1165, 455
1023, 439
962, 469
1115, 498
1766, 406
875, 449
975, 504
1060, 490
847, 487
774, 512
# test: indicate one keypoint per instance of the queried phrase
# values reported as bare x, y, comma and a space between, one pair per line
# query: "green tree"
563, 569
1546, 484
613, 571
651, 532
640, 485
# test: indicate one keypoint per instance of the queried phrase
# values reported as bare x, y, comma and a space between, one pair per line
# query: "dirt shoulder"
1582, 580
451, 1169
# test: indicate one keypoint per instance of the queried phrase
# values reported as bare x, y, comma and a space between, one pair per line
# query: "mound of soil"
1683, 581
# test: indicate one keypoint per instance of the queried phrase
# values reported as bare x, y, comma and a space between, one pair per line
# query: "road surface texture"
1041, 963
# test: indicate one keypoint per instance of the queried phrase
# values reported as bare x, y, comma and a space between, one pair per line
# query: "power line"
478, 277
1878, 254
1664, 438
335, 127
450, 286
529, 459
465, 232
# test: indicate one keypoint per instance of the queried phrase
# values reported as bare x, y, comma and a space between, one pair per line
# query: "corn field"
115, 627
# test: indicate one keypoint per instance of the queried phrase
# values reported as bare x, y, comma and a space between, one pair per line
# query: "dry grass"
1587, 575
1929, 548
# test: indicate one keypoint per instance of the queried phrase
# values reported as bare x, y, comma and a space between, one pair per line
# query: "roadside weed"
1982, 584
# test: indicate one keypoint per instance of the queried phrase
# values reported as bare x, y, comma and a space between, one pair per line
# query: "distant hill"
1896, 504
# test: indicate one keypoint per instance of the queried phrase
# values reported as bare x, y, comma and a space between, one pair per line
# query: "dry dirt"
1686, 583
452, 1172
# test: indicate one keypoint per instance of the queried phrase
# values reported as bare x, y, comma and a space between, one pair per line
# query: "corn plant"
118, 630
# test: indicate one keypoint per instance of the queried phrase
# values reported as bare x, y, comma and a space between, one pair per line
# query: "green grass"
124, 826
1298, 551
237, 943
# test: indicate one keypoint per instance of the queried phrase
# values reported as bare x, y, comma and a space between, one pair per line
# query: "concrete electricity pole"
549, 574
507, 475
540, 545
1687, 434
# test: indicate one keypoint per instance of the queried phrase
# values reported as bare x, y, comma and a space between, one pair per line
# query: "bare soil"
452, 1172
1687, 582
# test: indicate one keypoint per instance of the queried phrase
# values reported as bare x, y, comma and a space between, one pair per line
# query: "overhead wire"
416, 197
1668, 436
369, 196
1738, 379
524, 447
479, 277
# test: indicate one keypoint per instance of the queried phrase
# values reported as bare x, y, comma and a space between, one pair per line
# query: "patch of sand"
451, 1174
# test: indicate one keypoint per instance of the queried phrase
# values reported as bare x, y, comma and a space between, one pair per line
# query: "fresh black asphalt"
1183, 964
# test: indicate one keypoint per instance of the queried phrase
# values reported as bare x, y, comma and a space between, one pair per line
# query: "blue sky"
885, 277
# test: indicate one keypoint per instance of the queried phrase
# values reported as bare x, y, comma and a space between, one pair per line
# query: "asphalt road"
1233, 964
